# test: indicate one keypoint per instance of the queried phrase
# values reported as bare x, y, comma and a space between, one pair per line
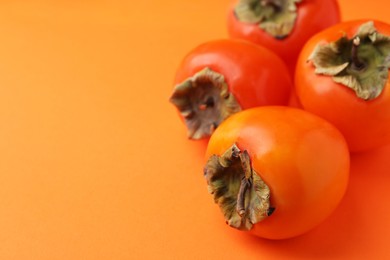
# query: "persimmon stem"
245, 181
357, 64
245, 184
208, 103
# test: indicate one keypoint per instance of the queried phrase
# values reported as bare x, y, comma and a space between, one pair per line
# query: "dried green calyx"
360, 63
276, 17
204, 101
241, 194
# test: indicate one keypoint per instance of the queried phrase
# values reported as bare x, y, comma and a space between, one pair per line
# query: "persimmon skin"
365, 124
312, 17
302, 158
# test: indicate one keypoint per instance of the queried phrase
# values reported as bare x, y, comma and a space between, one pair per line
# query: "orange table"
94, 162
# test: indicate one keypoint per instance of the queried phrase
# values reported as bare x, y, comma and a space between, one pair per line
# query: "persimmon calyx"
361, 63
204, 101
276, 17
243, 197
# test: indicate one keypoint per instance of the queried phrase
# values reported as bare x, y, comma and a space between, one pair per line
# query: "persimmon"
276, 172
342, 75
221, 77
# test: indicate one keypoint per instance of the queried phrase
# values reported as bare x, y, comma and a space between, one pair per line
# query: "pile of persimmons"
283, 103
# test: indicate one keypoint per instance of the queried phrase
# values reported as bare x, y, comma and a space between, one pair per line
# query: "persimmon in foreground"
276, 172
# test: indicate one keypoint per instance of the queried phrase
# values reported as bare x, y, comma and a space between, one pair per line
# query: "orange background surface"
94, 161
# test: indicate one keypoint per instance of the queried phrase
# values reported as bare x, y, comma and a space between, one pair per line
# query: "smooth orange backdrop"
94, 161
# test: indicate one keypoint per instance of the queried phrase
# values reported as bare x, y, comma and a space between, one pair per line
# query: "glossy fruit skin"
302, 158
254, 75
365, 124
313, 16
